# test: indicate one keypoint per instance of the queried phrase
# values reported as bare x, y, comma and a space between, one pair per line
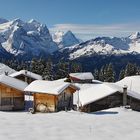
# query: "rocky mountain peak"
135, 35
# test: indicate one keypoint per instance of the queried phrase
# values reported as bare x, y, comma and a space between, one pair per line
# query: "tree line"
107, 72
50, 70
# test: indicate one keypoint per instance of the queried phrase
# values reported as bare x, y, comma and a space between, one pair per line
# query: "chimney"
26, 80
124, 95
6, 73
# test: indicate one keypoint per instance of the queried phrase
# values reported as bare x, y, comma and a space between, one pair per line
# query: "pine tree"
76, 67
105, 73
40, 66
48, 73
96, 74
131, 69
138, 71
33, 65
122, 74
110, 74
101, 74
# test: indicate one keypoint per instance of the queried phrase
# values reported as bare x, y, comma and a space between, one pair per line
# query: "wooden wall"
134, 103
114, 100
10, 98
65, 99
44, 102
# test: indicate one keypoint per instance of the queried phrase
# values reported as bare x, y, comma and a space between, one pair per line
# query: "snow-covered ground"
112, 124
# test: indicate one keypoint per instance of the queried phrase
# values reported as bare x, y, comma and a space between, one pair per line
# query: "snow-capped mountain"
5, 69
57, 36
30, 39
134, 36
105, 46
65, 39
135, 42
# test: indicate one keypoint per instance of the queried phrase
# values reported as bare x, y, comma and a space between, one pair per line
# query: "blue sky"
86, 18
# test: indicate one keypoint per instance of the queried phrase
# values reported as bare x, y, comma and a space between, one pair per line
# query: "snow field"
116, 124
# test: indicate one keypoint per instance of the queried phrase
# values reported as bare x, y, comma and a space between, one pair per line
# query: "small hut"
82, 77
95, 97
101, 96
26, 76
51, 96
11, 93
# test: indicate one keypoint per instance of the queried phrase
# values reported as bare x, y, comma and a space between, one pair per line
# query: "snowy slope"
135, 42
105, 46
26, 38
116, 124
4, 68
65, 39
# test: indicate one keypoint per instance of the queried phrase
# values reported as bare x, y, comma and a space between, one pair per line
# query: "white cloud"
88, 31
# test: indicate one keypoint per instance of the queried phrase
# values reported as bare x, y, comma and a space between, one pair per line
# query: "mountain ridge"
26, 40
105, 46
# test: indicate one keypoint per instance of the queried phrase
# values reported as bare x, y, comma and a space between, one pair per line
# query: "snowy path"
116, 124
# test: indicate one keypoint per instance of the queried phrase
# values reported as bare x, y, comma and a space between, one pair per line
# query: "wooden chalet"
108, 95
26, 76
11, 93
83, 77
51, 96
99, 96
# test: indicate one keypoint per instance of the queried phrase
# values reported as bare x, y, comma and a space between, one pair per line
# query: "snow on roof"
28, 73
97, 82
49, 87
82, 75
134, 94
4, 68
133, 84
94, 92
13, 82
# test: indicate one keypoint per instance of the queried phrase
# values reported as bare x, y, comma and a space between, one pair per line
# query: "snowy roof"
13, 82
82, 75
97, 82
27, 73
133, 84
4, 68
94, 92
49, 87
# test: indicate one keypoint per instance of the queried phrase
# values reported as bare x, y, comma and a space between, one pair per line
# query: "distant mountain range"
25, 40
105, 46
